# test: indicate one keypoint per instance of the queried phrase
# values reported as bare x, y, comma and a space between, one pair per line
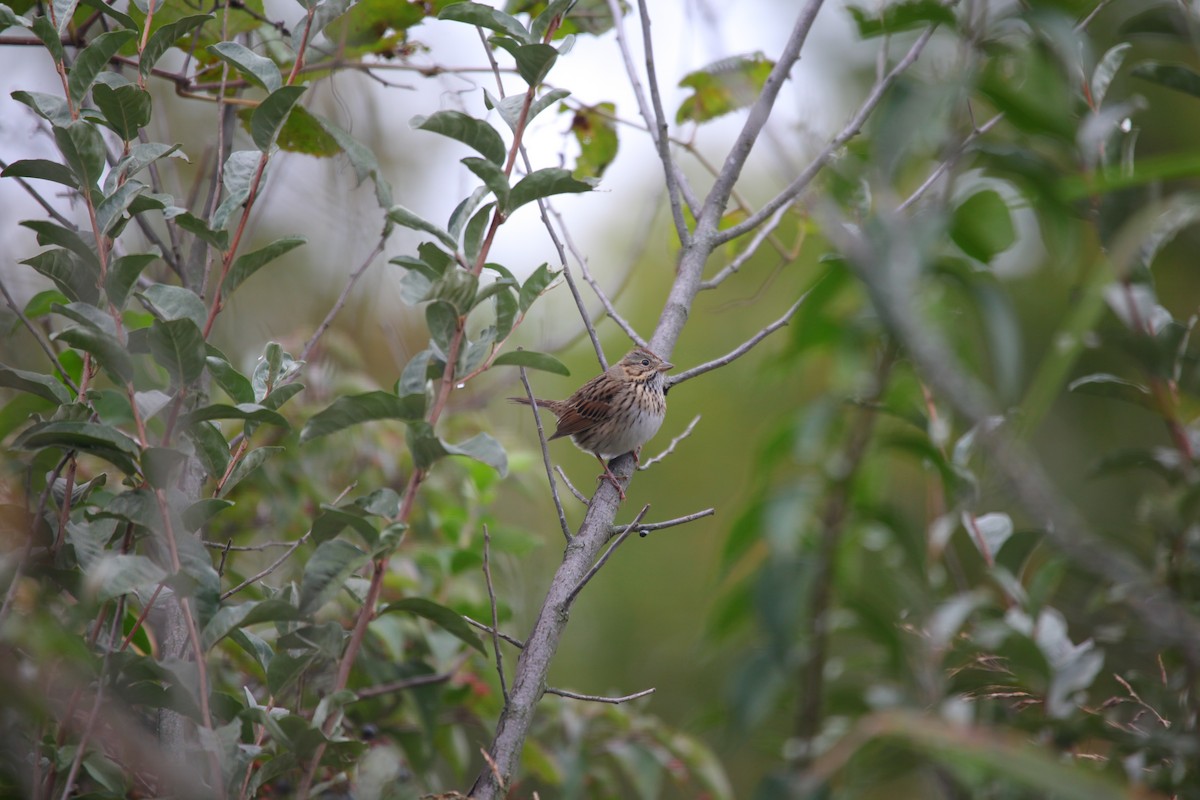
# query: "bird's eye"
645, 362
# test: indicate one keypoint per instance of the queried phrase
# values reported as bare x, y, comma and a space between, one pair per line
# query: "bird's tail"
525, 401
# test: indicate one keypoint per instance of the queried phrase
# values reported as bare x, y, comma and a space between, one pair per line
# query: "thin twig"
595, 698
514, 641
945, 164
671, 447
41, 201
848, 132
306, 351
37, 337
655, 122
562, 515
607, 554
760, 236
740, 350
605, 301
409, 683
487, 575
279, 561
643, 528
580, 496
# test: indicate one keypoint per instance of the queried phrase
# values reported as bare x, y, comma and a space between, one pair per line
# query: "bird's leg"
608, 474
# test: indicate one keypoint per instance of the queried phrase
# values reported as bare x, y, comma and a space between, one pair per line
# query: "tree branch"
595, 698
537, 420
740, 350
847, 133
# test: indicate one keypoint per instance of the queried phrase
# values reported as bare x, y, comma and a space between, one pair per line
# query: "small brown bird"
615, 412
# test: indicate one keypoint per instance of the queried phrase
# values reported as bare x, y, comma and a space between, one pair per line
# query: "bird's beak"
666, 365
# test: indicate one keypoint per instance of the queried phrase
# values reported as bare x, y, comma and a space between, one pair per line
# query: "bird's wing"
586, 408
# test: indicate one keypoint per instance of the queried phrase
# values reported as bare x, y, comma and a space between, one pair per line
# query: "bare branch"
740, 350
407, 683
41, 201
277, 563
306, 351
847, 133
945, 164
37, 337
759, 113
580, 496
747, 252
514, 641
607, 554
487, 574
644, 528
671, 447
656, 122
609, 308
595, 698
537, 419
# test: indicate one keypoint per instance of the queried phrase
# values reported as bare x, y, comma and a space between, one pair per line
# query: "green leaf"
231, 618
235, 384
1179, 77
126, 108
534, 285
197, 515
281, 394
532, 360
178, 345
41, 169
1106, 70
123, 273
903, 16
251, 412
442, 319
510, 107
11, 19
326, 572
544, 183
194, 225
415, 377
723, 87
250, 263
596, 132
50, 234
271, 113
492, 175
35, 383
356, 409
83, 148
115, 575
257, 69
165, 37
473, 236
92, 61
982, 226
507, 307
402, 216
361, 158
68, 274
89, 437
486, 17
332, 521
162, 466
456, 287
534, 62
211, 448
1102, 384
427, 448
463, 211
111, 210
111, 354
474, 133
174, 302
250, 462
447, 619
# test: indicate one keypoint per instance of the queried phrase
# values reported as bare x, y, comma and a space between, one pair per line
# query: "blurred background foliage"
869, 613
